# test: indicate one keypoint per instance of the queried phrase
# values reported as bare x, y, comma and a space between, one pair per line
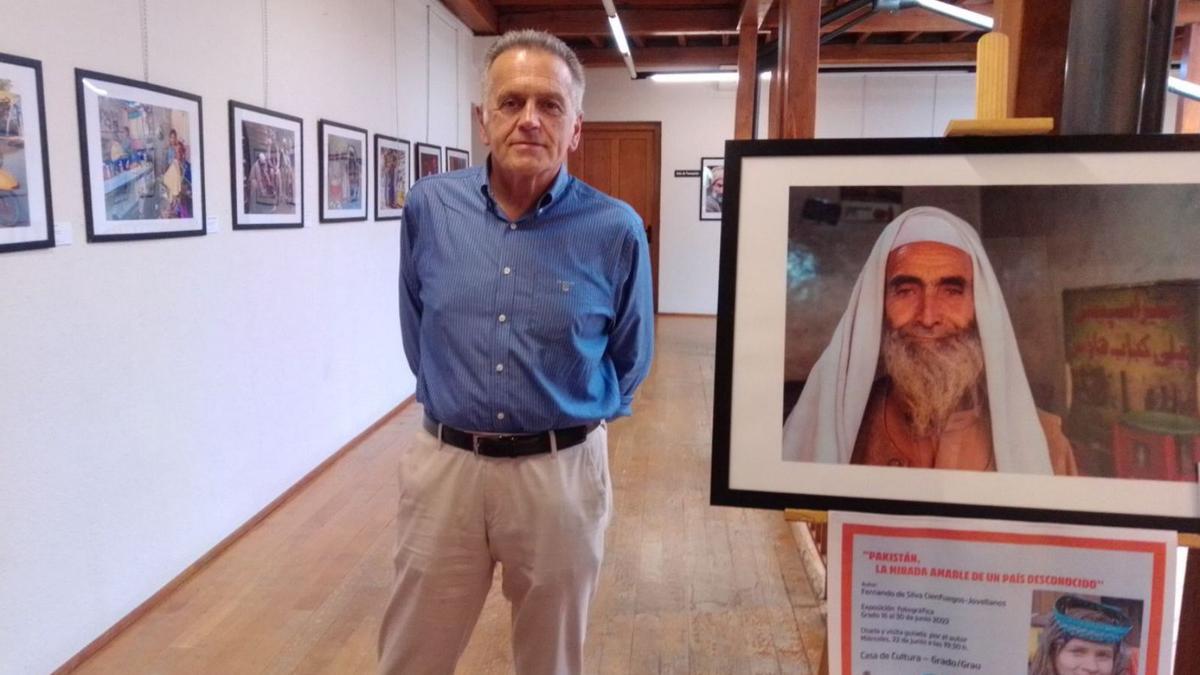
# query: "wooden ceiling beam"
479, 15
755, 10
710, 58
583, 22
915, 20
1187, 12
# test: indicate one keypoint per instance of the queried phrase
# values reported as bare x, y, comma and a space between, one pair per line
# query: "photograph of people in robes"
1033, 329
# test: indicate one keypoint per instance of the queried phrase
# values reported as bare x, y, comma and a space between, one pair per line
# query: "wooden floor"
685, 588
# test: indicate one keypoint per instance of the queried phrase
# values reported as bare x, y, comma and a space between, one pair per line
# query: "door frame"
655, 226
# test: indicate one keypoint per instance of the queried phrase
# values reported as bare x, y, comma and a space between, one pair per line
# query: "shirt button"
499, 367
502, 318
507, 270
512, 226
500, 416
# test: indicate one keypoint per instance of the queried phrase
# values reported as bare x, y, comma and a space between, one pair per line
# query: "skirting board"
191, 570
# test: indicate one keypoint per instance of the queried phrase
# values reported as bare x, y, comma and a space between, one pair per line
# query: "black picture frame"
242, 189
384, 211
710, 209
155, 165
1163, 156
334, 212
10, 199
429, 153
455, 156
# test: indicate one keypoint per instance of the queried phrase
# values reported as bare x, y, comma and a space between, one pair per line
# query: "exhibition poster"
922, 595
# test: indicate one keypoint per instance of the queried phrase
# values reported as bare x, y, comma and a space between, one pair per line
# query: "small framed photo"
429, 160
456, 159
712, 187
342, 172
391, 176
143, 159
26, 221
266, 168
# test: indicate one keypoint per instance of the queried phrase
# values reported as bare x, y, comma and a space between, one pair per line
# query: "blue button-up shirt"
525, 326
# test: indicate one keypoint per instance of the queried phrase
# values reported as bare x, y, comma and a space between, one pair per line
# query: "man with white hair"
527, 316
923, 370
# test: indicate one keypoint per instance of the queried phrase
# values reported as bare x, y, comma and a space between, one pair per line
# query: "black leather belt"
515, 445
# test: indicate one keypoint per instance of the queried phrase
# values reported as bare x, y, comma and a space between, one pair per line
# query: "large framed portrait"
142, 147
999, 328
342, 169
391, 176
712, 187
429, 160
266, 173
26, 220
457, 160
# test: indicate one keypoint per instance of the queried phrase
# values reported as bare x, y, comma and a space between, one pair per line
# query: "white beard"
933, 377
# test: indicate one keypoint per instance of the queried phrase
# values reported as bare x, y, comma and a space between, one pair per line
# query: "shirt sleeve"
410, 285
631, 341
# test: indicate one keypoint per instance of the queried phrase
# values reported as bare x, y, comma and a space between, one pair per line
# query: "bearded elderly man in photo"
923, 369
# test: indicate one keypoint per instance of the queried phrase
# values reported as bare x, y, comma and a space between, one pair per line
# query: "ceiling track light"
1182, 87
618, 33
944, 8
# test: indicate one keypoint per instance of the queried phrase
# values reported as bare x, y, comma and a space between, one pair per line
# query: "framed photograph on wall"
456, 159
391, 176
712, 187
142, 147
342, 169
429, 160
1016, 333
266, 153
26, 218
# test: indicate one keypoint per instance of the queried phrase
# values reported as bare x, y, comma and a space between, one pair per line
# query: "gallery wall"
158, 394
697, 118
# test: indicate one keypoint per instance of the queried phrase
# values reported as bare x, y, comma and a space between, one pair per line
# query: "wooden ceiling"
681, 35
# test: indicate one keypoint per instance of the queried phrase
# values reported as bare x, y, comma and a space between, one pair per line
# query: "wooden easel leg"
1187, 658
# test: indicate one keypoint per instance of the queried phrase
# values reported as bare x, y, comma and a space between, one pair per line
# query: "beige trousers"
541, 517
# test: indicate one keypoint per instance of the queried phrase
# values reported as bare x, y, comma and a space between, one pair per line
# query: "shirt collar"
554, 194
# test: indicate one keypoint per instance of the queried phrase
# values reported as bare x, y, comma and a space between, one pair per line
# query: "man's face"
928, 292
1081, 657
528, 117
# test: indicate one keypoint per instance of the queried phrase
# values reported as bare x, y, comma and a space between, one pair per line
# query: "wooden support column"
799, 55
747, 90
1187, 121
1037, 34
1187, 656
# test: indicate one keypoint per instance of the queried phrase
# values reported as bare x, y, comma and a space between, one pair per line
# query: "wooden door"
622, 159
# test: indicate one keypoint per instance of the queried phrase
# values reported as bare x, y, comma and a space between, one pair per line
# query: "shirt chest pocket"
562, 309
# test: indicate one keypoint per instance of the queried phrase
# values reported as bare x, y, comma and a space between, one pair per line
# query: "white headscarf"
823, 426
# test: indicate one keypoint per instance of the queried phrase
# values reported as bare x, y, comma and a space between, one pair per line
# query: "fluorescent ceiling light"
614, 22
1182, 87
695, 77
954, 11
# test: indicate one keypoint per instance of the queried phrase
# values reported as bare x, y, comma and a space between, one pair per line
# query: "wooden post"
1187, 656
1187, 121
799, 54
1037, 31
747, 89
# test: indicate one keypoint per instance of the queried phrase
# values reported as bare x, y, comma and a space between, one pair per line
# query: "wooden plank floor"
685, 588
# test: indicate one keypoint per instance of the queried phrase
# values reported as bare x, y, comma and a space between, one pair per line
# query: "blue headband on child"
1085, 629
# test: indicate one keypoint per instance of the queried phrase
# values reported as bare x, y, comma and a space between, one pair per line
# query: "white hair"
541, 41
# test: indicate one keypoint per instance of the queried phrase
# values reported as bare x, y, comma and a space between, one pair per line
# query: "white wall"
155, 395
697, 118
